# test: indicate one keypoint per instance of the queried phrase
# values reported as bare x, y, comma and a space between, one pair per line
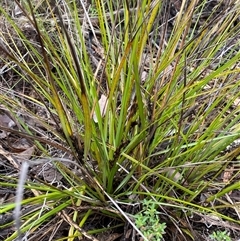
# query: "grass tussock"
119, 103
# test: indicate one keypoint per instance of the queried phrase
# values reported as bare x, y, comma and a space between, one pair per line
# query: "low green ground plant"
220, 236
129, 105
147, 220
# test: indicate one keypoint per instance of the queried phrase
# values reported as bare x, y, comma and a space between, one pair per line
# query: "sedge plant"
136, 105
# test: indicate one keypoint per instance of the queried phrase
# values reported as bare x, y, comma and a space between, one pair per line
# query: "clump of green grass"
166, 116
